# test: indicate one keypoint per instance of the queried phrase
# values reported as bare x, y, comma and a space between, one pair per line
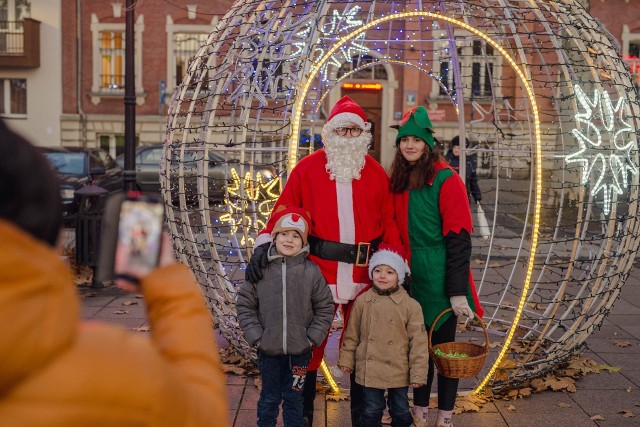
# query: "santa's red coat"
359, 211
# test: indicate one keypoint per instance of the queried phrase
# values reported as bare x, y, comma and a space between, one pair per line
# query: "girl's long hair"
404, 175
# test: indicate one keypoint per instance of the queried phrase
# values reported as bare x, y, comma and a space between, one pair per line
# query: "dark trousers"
447, 387
309, 395
283, 380
373, 406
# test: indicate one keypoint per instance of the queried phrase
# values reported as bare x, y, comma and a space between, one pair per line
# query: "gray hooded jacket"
290, 309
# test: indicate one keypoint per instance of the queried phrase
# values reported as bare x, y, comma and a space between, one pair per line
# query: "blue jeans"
373, 407
282, 380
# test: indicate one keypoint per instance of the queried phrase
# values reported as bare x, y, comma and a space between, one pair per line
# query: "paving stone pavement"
608, 395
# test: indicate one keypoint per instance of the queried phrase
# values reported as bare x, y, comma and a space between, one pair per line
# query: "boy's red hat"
292, 218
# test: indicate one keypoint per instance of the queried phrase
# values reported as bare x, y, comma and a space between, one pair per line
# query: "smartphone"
131, 236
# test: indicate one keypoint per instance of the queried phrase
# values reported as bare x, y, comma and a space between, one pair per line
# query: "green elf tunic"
425, 217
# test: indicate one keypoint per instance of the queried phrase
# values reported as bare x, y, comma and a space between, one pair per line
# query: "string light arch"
559, 159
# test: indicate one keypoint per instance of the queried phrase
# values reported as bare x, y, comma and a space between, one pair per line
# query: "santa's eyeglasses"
343, 131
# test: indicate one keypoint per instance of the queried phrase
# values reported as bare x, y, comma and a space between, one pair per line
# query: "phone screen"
139, 237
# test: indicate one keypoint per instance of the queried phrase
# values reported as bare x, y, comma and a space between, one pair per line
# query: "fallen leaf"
627, 414
226, 368
258, 383
120, 312
479, 261
336, 397
622, 344
511, 408
495, 344
128, 303
524, 392
628, 390
597, 418
608, 368
538, 385
564, 405
142, 329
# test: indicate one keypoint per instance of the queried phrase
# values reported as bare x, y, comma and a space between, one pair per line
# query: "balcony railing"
20, 43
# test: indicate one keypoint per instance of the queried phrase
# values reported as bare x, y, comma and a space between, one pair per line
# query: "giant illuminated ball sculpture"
539, 91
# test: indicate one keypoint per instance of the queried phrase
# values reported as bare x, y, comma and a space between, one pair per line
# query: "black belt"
357, 254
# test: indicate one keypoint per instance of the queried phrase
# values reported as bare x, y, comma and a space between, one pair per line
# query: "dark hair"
404, 175
29, 189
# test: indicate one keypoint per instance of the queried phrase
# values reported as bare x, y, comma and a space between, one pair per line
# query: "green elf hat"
416, 123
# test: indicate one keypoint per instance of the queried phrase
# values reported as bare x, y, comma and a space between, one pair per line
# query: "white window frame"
171, 29
6, 101
464, 41
627, 38
96, 28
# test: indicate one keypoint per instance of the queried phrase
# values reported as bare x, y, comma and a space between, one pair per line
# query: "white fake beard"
346, 156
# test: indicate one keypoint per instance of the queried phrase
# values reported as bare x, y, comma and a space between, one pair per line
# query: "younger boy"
385, 341
284, 315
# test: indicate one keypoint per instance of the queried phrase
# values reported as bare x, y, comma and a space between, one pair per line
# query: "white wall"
44, 84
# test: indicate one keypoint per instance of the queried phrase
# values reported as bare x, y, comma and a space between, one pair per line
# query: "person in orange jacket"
56, 370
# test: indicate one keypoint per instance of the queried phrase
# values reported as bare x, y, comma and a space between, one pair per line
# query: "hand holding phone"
131, 237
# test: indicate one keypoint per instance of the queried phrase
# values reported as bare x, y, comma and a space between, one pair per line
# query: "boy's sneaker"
419, 422
446, 422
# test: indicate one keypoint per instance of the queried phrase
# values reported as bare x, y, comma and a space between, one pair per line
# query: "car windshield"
67, 163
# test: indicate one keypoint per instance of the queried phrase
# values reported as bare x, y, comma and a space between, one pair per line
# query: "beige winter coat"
386, 341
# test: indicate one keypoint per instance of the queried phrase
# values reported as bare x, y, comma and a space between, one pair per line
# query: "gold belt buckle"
366, 261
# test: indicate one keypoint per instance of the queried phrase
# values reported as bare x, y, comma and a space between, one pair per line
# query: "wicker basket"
459, 367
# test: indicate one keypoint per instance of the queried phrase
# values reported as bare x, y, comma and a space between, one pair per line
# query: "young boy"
284, 315
385, 341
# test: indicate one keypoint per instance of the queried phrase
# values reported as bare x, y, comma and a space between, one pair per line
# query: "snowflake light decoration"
605, 145
340, 23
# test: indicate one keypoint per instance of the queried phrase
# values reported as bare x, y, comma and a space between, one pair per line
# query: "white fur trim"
392, 259
261, 239
356, 288
345, 289
349, 117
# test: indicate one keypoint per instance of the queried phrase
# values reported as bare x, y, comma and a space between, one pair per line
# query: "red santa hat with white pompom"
347, 110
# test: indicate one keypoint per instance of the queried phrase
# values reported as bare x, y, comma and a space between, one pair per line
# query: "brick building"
72, 92
167, 34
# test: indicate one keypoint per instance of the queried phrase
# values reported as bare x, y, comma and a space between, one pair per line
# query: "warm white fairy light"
605, 145
264, 194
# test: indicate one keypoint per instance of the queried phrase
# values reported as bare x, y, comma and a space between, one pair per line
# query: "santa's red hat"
391, 256
347, 110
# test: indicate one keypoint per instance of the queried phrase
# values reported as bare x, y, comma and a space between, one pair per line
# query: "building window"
14, 10
359, 63
631, 53
112, 56
108, 43
13, 93
185, 46
183, 43
112, 144
478, 67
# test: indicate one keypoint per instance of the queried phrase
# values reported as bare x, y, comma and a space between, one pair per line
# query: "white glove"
461, 307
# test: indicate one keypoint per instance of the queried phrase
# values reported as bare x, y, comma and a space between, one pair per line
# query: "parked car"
148, 158
78, 167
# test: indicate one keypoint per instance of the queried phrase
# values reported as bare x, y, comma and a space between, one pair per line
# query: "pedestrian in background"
284, 315
471, 182
56, 370
432, 210
385, 342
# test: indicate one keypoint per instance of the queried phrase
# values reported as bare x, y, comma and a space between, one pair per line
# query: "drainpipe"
83, 115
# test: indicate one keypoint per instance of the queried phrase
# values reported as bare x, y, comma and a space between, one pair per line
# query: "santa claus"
347, 195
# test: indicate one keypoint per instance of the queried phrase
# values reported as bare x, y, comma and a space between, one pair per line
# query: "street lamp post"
129, 174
